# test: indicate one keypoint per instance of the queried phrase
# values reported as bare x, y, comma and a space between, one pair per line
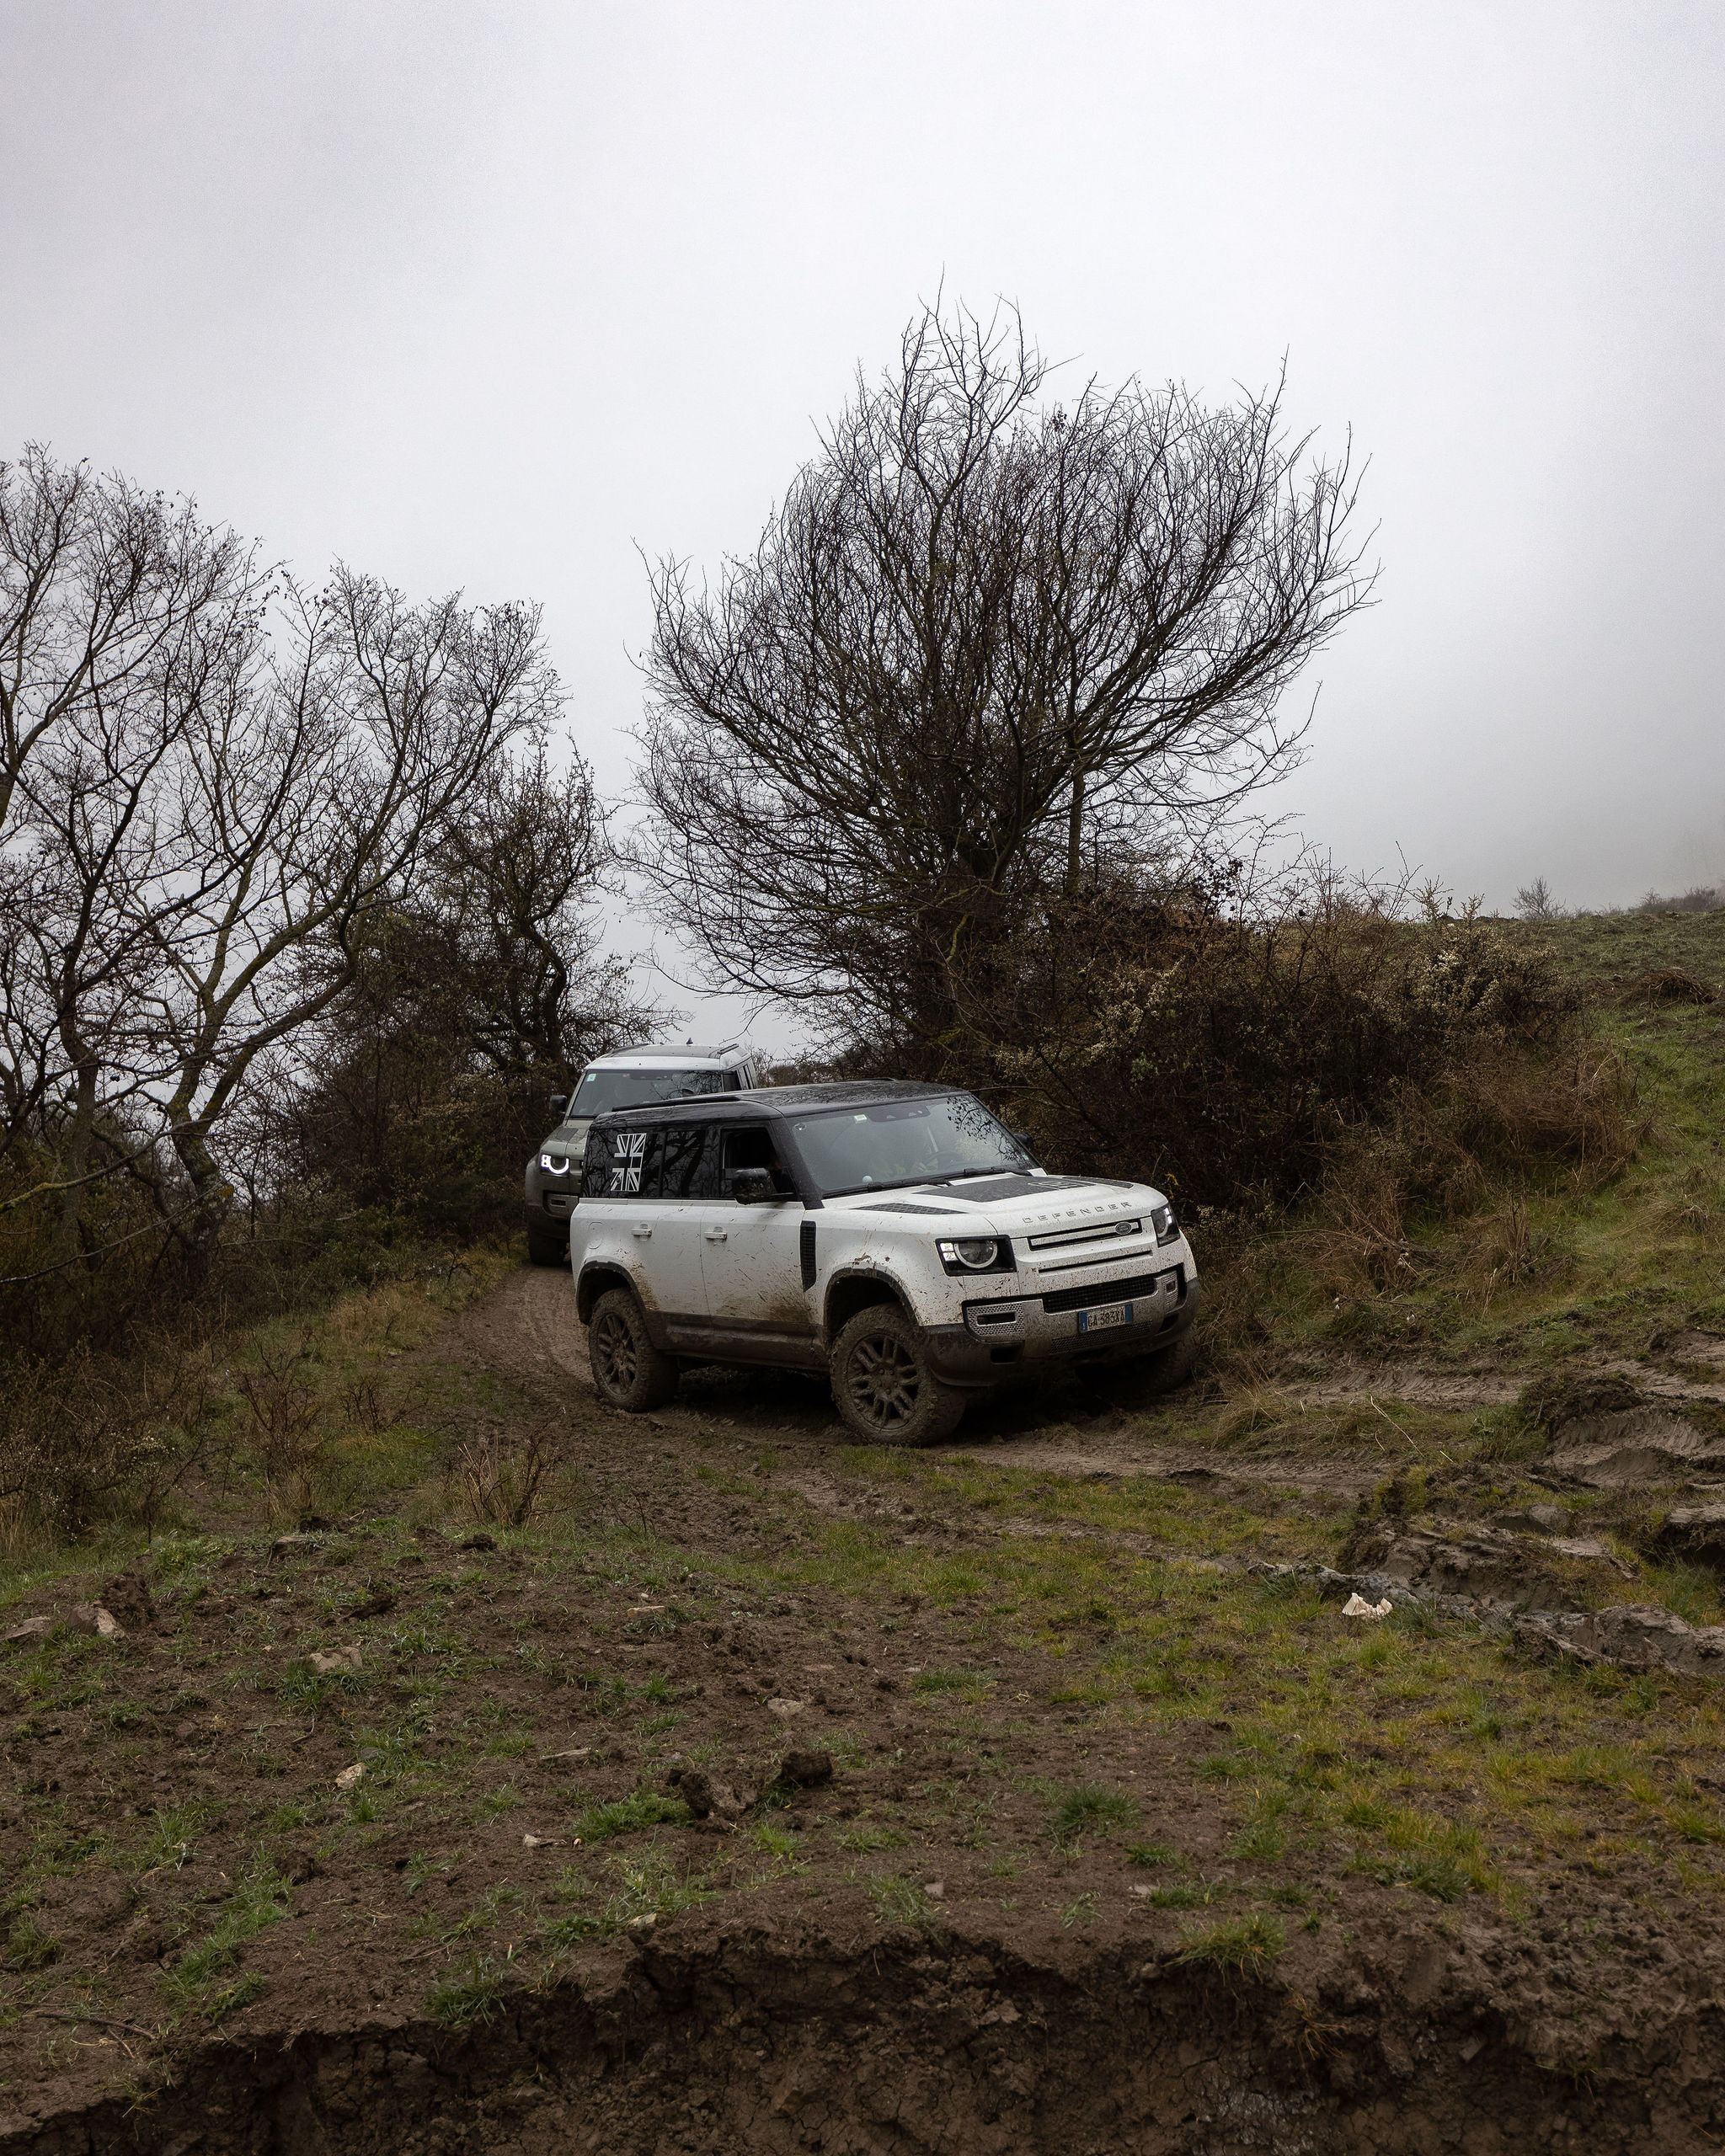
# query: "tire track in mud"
528, 1329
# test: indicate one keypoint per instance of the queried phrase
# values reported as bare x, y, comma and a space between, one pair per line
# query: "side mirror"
559, 1101
1024, 1138
754, 1187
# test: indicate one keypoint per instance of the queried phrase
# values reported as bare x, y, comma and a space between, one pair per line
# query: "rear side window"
620, 1164
690, 1161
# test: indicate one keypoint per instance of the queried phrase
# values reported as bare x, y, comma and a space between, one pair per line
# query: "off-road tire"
548, 1250
628, 1371
884, 1386
1170, 1367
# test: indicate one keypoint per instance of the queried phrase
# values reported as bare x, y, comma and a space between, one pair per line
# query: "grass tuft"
466, 1997
1091, 1810
902, 1902
628, 1815
1239, 1946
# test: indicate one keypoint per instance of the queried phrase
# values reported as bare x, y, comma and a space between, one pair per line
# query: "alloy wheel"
614, 1352
882, 1380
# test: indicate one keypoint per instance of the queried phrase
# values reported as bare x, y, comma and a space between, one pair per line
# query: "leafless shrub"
1241, 1055
288, 1438
1535, 901
83, 1439
501, 1482
1667, 985
363, 1403
1510, 1250
1699, 897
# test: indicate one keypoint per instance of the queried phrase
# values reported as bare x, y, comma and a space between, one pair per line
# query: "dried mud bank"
728, 2041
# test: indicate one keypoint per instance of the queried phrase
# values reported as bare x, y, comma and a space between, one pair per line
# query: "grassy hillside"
1561, 1262
1137, 1722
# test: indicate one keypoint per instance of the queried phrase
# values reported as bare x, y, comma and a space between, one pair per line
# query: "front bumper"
1000, 1337
547, 1213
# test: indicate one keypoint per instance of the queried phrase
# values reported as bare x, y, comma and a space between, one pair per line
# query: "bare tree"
484, 987
514, 875
209, 782
1536, 901
102, 586
307, 799
983, 641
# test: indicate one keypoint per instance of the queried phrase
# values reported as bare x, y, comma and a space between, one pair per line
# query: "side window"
751, 1148
620, 1164
690, 1161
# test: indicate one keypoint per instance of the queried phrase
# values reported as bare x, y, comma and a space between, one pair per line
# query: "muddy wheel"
628, 1369
1169, 1368
882, 1382
544, 1249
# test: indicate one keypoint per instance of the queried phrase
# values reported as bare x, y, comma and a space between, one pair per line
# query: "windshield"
601, 1090
895, 1142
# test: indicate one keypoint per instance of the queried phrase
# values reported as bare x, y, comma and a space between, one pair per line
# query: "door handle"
643, 1232
717, 1234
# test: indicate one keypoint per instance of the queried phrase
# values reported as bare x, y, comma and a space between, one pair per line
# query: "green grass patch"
901, 1901
629, 1814
467, 1996
1090, 1810
255, 1903
1243, 1947
647, 1882
1152, 1856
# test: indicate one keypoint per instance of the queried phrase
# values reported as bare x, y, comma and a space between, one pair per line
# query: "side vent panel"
806, 1244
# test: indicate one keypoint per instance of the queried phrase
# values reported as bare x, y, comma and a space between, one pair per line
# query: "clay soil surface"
759, 1792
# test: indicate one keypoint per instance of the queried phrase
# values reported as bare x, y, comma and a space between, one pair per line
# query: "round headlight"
981, 1250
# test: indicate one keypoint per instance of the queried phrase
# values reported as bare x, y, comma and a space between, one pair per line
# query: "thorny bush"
1242, 1059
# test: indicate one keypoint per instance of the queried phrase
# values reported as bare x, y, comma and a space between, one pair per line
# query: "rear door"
626, 1215
685, 1183
758, 1309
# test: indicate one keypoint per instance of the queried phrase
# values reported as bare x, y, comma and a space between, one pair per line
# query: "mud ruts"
733, 2041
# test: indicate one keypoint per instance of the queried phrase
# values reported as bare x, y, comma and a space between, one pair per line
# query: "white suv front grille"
1108, 1231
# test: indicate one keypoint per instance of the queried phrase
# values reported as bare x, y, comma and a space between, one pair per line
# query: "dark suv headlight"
978, 1254
554, 1164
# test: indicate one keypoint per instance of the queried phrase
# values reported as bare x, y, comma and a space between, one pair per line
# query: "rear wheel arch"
596, 1281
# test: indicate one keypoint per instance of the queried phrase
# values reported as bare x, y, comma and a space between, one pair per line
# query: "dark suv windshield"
602, 1089
904, 1141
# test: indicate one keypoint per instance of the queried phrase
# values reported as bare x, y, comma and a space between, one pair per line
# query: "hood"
1017, 1205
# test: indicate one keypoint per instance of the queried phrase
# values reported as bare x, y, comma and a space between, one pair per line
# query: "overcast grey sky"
486, 295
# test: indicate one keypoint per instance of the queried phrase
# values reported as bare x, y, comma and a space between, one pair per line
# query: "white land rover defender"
893, 1235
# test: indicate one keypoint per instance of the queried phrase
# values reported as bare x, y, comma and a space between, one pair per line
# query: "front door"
758, 1308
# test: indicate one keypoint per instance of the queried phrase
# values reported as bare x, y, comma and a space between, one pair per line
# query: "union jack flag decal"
628, 1152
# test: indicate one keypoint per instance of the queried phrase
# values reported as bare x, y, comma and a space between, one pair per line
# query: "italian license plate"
1100, 1320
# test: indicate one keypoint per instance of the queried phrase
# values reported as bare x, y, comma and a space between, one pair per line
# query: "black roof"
772, 1102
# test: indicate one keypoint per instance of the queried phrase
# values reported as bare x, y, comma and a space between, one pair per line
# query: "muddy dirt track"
860, 1938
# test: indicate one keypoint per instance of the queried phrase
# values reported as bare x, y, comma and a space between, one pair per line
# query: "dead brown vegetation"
1667, 985
74, 1434
1241, 1058
500, 1483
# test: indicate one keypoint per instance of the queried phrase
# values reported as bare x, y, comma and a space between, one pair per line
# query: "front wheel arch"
848, 1293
